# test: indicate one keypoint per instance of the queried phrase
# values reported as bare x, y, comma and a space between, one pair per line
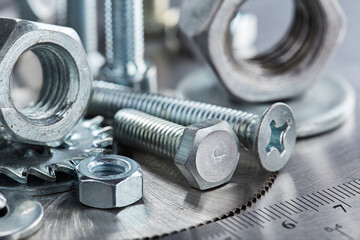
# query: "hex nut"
208, 154
109, 181
284, 71
66, 85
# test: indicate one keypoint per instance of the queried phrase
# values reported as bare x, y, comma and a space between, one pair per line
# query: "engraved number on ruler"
334, 197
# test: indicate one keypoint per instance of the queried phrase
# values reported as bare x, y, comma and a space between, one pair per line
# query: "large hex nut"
66, 82
287, 69
109, 181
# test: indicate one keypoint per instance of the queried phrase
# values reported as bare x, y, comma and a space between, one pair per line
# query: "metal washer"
325, 106
23, 216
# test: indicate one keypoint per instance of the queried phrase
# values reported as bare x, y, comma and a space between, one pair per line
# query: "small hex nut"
286, 70
66, 84
208, 154
109, 181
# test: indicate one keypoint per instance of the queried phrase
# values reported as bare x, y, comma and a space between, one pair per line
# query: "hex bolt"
206, 152
82, 16
271, 136
124, 46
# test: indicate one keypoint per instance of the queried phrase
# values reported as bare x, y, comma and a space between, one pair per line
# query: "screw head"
208, 154
276, 137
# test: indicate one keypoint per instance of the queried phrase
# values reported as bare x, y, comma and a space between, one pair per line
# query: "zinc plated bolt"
206, 152
271, 136
124, 46
82, 16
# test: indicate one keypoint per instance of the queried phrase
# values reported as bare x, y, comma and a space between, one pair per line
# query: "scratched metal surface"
318, 163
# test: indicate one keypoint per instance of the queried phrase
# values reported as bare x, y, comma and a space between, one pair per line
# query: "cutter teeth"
104, 132
31, 153
67, 166
17, 174
103, 143
45, 173
94, 152
19, 161
94, 122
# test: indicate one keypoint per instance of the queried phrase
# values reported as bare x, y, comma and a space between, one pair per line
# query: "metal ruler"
331, 213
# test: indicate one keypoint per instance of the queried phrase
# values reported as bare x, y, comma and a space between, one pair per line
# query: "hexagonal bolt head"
286, 70
109, 181
66, 84
208, 154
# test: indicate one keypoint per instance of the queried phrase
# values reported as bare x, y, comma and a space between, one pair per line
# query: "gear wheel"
88, 138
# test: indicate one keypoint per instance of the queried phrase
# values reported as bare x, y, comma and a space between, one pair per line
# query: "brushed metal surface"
168, 205
22, 218
318, 162
318, 165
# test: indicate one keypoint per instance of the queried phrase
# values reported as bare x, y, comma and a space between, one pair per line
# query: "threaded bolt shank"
108, 98
124, 36
196, 150
148, 133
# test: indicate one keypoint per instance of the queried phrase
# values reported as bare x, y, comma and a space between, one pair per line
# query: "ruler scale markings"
252, 215
283, 214
326, 197
239, 222
283, 209
248, 223
320, 198
234, 223
355, 181
314, 199
262, 216
299, 205
230, 225
223, 225
289, 208
272, 212
267, 214
352, 184
343, 192
336, 198
350, 188
355, 188
294, 206
259, 224
336, 193
308, 205
303, 197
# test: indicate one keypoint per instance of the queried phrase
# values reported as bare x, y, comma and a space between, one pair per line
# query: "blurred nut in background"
287, 69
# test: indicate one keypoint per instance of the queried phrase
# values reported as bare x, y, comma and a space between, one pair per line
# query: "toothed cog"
88, 138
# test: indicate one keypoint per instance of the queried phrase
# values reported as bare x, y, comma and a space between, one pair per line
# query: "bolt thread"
147, 133
108, 98
124, 36
82, 16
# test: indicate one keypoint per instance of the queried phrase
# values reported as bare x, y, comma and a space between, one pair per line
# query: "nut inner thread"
107, 167
60, 85
4, 211
297, 48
